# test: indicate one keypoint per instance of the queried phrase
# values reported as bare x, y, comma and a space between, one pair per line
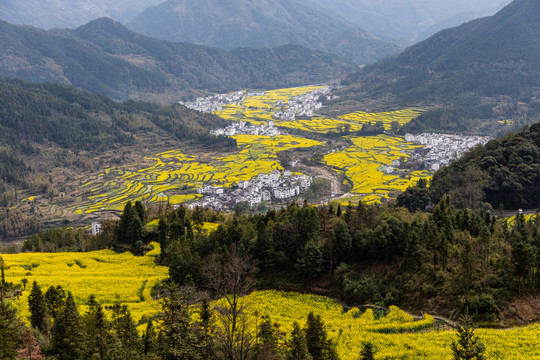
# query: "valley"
372, 166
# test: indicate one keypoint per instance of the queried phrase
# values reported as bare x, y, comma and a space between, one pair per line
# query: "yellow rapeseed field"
365, 161
395, 336
109, 276
174, 176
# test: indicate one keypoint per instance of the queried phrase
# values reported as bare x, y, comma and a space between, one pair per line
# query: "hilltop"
243, 23
105, 57
483, 70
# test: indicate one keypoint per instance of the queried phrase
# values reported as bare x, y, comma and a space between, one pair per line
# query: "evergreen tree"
126, 331
318, 344
100, 343
367, 353
141, 211
177, 340
149, 338
2, 266
297, 345
468, 346
55, 298
267, 341
342, 240
37, 307
10, 332
311, 263
67, 341
205, 316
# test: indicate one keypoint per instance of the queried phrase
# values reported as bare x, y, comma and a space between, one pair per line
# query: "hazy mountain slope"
490, 57
406, 19
105, 57
247, 23
48, 14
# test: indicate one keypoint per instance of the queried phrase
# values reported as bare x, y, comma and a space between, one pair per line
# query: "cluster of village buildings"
441, 149
241, 128
264, 187
304, 105
215, 102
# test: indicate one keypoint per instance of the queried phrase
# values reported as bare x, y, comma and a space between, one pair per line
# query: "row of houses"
215, 102
275, 186
440, 149
242, 128
304, 105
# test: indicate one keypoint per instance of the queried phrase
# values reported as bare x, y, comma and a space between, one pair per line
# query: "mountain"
248, 23
105, 57
48, 14
484, 70
408, 20
506, 171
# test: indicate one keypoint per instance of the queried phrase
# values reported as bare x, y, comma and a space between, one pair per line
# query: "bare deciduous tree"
229, 278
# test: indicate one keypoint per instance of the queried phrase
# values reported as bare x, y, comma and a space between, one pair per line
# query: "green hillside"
50, 133
105, 57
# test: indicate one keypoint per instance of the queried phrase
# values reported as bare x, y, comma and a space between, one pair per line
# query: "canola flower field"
395, 336
174, 176
363, 164
109, 276
128, 279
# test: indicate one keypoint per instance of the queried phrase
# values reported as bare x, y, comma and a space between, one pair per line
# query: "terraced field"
173, 176
402, 117
364, 163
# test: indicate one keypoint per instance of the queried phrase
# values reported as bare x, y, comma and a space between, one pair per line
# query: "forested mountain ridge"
505, 172
483, 70
243, 23
51, 132
105, 57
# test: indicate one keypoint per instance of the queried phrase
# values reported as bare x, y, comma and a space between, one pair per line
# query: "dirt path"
326, 174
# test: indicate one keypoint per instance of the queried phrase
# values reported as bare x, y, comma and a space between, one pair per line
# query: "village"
215, 102
276, 186
304, 105
242, 128
440, 149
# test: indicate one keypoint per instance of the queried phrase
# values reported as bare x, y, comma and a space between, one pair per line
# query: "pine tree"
55, 298
10, 332
141, 211
67, 333
469, 346
2, 266
297, 345
367, 353
267, 341
125, 328
100, 344
149, 338
177, 340
319, 346
38, 308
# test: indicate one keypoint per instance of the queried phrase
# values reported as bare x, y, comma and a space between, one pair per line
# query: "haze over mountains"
342, 27
407, 20
105, 57
475, 66
244, 23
